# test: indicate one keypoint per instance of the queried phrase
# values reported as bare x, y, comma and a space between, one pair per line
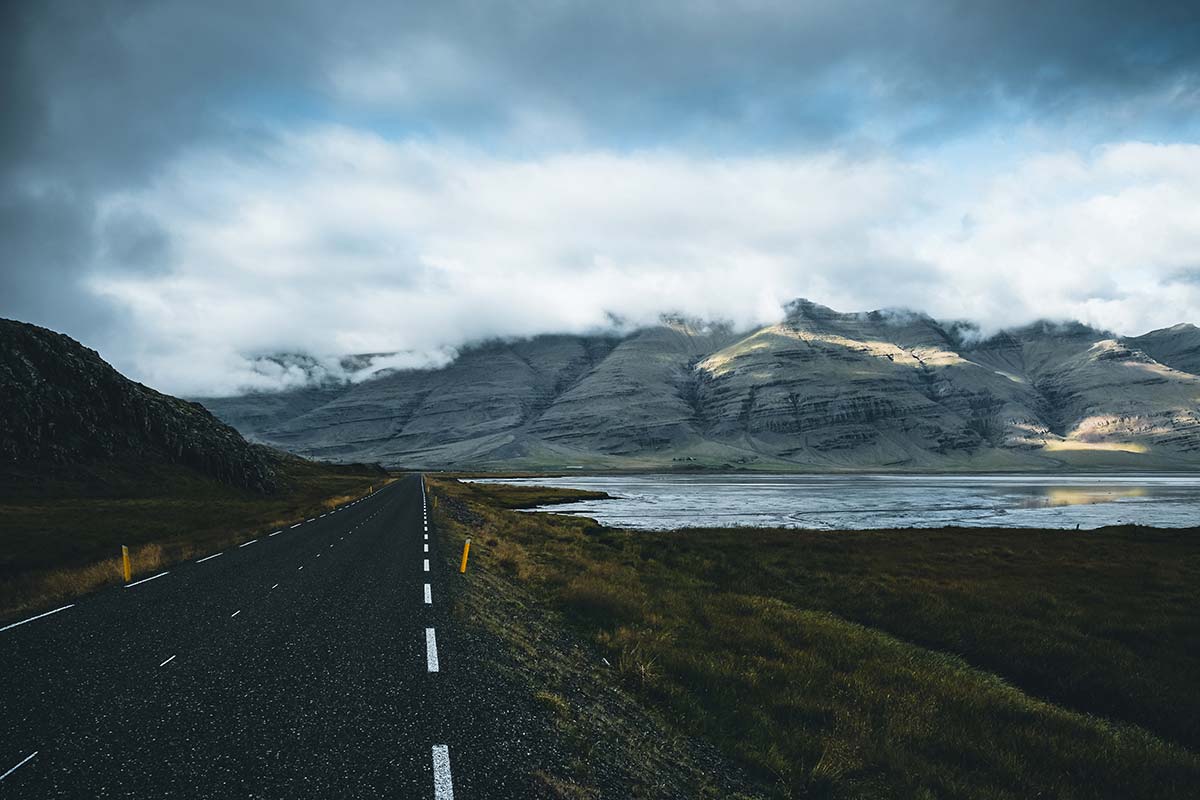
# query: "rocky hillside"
818, 390
64, 409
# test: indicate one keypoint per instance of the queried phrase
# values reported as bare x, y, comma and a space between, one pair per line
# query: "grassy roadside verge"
66, 542
989, 664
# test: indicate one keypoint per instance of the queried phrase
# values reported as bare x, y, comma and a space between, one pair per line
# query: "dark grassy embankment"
60, 538
953, 663
519, 497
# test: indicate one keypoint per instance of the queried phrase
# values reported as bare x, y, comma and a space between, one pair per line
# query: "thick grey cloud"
134, 81
745, 75
104, 100
98, 98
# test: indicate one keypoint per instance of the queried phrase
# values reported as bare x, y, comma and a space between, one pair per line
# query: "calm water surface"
657, 502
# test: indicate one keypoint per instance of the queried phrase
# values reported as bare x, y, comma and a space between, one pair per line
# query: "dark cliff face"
61, 405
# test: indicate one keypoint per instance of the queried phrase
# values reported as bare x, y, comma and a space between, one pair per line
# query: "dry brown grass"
176, 527
594, 596
512, 557
563, 789
59, 584
555, 703
53, 586
330, 503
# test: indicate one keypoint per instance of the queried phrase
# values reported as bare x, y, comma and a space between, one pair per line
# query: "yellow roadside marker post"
125, 563
466, 549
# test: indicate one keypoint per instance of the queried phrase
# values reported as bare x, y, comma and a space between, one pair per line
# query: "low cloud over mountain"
820, 389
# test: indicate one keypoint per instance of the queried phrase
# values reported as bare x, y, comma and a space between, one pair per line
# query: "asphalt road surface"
319, 661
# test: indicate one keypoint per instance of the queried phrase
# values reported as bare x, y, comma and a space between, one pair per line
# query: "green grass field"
923, 663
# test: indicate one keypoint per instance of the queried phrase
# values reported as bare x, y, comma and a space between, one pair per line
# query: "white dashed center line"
297, 525
207, 558
276, 586
428, 595
427, 565
276, 533
31, 619
20, 764
234, 614
443, 785
168, 661
426, 548
247, 544
431, 658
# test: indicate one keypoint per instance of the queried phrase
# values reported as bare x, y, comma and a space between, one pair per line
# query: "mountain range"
818, 390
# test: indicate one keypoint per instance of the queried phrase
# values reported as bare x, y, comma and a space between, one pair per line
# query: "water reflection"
1063, 496
885, 501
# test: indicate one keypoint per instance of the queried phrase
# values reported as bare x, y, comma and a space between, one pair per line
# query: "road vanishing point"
320, 662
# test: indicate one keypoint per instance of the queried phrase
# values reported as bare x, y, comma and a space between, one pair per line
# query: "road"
318, 661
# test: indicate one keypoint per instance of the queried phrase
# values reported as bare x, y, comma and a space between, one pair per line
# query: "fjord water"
848, 502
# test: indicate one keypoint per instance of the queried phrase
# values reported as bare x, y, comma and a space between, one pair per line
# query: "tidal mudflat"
857, 502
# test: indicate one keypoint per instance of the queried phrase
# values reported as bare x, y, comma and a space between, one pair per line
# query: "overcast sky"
186, 186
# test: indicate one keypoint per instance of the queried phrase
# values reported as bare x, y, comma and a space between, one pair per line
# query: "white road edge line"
246, 544
24, 761
143, 580
431, 659
428, 595
39, 616
443, 784
207, 558
168, 661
